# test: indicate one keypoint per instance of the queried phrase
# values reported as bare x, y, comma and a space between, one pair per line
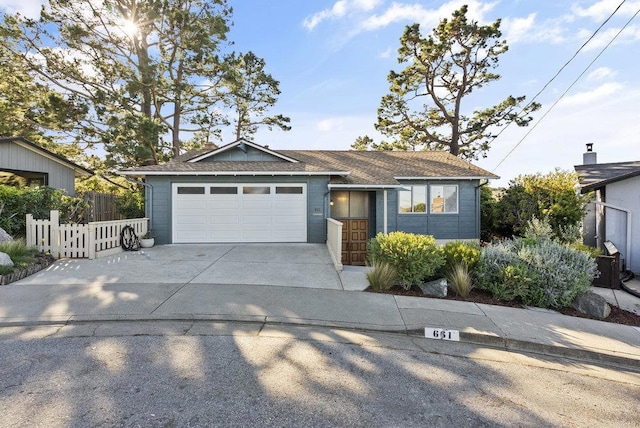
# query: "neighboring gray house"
37, 166
244, 192
615, 214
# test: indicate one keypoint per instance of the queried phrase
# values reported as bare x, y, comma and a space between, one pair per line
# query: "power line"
574, 55
567, 90
546, 85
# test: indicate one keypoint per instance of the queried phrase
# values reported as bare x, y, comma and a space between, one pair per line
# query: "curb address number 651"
441, 334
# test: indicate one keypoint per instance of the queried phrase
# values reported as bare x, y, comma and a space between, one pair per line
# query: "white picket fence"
89, 241
334, 242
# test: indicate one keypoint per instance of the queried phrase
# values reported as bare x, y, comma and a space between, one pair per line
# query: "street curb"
551, 350
507, 344
493, 341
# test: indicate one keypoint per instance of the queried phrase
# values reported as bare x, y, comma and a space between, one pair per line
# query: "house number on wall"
441, 334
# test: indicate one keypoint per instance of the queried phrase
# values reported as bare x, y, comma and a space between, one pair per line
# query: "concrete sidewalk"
514, 329
292, 284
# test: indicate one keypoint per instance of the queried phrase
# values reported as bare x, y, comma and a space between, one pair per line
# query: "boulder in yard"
4, 236
436, 288
592, 304
5, 260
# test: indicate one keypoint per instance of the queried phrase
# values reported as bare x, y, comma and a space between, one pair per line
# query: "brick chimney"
589, 157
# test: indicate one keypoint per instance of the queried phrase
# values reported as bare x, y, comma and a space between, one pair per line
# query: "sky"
332, 59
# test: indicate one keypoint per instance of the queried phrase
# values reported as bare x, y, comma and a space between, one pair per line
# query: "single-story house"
23, 161
614, 216
245, 192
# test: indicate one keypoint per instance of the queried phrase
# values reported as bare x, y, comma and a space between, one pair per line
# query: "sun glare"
129, 28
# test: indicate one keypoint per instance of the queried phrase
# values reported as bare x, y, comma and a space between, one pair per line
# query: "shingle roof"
359, 167
595, 176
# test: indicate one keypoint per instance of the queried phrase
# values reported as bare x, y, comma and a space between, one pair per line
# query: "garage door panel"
188, 220
232, 215
188, 203
256, 235
224, 236
223, 219
228, 205
256, 219
256, 204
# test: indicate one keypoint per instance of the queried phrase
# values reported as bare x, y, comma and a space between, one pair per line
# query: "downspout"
615, 207
149, 206
384, 215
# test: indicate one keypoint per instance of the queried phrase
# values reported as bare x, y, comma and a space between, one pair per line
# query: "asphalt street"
198, 373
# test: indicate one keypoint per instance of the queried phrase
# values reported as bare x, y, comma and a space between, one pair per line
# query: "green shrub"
562, 273
459, 279
541, 273
383, 276
415, 257
16, 203
537, 229
130, 204
457, 252
501, 273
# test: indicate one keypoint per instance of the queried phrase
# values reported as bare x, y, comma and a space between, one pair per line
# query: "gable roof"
240, 144
347, 168
598, 175
30, 145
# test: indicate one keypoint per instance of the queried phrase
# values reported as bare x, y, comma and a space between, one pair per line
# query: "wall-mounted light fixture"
331, 202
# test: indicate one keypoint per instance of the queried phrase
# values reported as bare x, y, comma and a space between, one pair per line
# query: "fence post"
91, 240
54, 230
31, 239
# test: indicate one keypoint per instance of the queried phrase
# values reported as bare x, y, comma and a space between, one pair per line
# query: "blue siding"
463, 225
316, 201
237, 155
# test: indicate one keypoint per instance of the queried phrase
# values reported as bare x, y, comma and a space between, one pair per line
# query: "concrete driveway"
287, 265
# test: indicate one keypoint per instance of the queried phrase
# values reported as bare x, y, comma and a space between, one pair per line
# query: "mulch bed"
617, 316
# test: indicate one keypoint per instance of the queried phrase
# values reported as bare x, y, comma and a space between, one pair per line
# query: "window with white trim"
443, 198
413, 199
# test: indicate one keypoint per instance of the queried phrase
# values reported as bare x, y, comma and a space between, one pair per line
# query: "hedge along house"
244, 192
23, 162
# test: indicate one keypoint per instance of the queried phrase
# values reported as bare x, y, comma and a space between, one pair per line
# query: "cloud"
515, 29
330, 125
399, 12
629, 35
597, 95
29, 8
601, 10
340, 9
386, 53
364, 16
601, 73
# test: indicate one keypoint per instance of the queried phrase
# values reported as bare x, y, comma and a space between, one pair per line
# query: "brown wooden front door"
355, 234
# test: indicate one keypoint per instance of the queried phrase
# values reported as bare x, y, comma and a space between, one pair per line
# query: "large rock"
592, 304
436, 288
5, 260
4, 236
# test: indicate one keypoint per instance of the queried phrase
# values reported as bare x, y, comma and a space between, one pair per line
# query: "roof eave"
364, 186
478, 177
232, 173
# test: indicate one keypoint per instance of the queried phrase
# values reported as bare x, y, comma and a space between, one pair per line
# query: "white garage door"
239, 212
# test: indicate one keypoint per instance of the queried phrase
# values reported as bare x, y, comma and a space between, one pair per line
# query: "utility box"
609, 267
